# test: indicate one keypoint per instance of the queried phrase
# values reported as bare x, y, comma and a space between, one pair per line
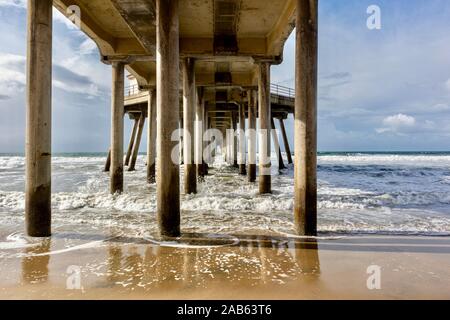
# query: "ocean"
359, 193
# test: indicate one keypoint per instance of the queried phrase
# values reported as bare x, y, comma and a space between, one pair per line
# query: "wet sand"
205, 266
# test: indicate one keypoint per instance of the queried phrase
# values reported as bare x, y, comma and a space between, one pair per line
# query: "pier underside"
195, 65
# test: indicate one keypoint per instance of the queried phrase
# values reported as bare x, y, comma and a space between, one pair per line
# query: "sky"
382, 89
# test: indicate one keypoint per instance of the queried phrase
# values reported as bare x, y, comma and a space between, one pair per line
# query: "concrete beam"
282, 29
140, 18
104, 40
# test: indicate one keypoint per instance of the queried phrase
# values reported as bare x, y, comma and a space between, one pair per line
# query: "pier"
198, 66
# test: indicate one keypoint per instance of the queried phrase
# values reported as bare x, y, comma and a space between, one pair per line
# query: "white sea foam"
416, 160
8, 163
354, 195
15, 241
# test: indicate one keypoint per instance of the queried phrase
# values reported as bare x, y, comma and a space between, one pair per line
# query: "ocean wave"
16, 241
9, 163
415, 160
355, 195
328, 198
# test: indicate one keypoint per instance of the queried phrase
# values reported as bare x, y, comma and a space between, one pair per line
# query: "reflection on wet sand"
35, 265
211, 266
307, 253
254, 261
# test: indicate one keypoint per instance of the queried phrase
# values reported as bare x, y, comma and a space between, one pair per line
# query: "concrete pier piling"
151, 137
206, 122
181, 151
286, 141
199, 127
131, 143
108, 161
219, 66
277, 147
242, 144
137, 142
39, 118
189, 108
167, 82
305, 175
227, 145
252, 101
234, 140
264, 128
117, 113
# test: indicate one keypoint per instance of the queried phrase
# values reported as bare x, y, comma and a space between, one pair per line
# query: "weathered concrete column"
264, 127
234, 141
305, 175
117, 103
39, 119
181, 151
225, 144
168, 114
206, 124
276, 145
252, 101
189, 108
199, 126
108, 161
151, 137
137, 142
131, 143
242, 145
285, 140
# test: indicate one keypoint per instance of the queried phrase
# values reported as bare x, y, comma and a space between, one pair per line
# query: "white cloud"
13, 78
12, 75
13, 3
87, 47
57, 15
89, 88
399, 120
397, 123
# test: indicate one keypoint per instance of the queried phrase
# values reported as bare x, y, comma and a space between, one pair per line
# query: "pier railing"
274, 89
132, 90
282, 90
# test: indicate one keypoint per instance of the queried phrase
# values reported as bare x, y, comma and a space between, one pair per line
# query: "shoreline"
211, 267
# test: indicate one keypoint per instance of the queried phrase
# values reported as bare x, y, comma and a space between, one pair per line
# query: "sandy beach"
236, 244
226, 267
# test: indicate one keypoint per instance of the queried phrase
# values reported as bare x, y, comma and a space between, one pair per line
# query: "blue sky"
385, 89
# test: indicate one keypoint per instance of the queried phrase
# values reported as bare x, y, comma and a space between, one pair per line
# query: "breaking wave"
358, 193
